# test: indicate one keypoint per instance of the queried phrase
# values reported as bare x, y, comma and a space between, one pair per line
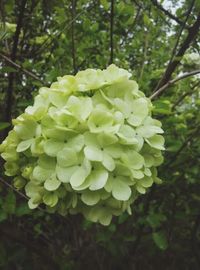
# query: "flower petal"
67, 157
76, 143
98, 179
108, 162
52, 184
121, 191
90, 198
93, 153
41, 174
78, 177
52, 147
50, 199
64, 174
24, 145
157, 141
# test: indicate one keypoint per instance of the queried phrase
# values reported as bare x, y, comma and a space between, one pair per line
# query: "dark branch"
17, 66
188, 141
9, 97
192, 33
111, 30
73, 11
180, 33
14, 189
17, 191
181, 98
169, 83
166, 12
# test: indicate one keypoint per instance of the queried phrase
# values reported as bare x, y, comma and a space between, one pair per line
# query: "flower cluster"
87, 145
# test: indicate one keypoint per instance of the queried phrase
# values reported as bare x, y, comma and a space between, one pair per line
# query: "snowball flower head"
87, 145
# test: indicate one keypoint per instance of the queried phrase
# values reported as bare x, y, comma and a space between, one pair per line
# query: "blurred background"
156, 41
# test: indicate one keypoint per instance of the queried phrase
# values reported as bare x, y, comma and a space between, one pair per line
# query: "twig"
192, 33
169, 83
111, 30
13, 188
56, 36
191, 91
188, 140
25, 71
73, 10
194, 244
166, 12
9, 97
18, 192
145, 48
140, 231
180, 33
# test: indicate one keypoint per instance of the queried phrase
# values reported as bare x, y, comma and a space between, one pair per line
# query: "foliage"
147, 38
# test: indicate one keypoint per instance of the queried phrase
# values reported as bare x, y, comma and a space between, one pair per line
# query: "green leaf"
105, 4
3, 216
22, 210
10, 203
160, 240
4, 125
162, 107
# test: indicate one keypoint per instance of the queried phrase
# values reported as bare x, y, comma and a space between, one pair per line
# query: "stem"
169, 83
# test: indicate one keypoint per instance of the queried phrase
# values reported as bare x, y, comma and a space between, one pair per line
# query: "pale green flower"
87, 145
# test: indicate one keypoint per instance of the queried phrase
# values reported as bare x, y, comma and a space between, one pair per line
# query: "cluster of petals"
87, 145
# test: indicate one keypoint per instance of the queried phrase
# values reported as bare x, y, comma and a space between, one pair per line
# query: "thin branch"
138, 4
181, 98
9, 97
145, 48
140, 231
18, 192
166, 12
180, 33
13, 188
56, 36
16, 235
73, 11
185, 144
195, 246
169, 83
111, 30
17, 66
131, 27
192, 33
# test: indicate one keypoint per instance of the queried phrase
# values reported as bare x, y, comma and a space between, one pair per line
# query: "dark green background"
58, 37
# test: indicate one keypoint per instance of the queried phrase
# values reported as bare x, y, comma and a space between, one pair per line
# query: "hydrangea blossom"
87, 145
